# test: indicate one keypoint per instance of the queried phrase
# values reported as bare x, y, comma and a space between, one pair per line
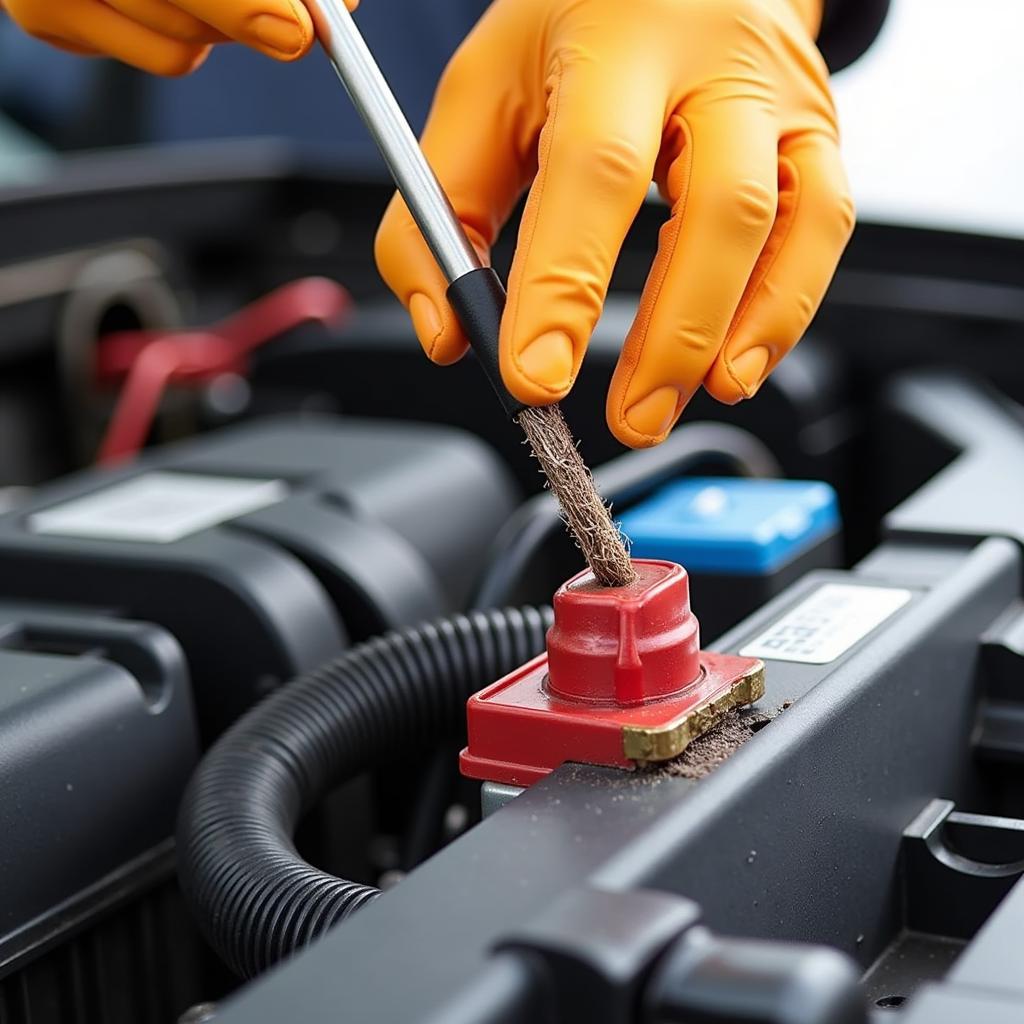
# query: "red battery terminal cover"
623, 682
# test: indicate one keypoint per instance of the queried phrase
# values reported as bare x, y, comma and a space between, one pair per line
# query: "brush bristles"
586, 515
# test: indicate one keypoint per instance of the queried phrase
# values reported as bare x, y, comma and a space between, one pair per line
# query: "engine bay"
256, 555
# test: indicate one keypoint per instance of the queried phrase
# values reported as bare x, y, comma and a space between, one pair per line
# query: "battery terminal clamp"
623, 682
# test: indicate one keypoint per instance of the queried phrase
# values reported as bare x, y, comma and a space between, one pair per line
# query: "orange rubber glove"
167, 37
725, 104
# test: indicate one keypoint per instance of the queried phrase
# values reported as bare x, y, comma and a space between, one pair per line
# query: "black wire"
255, 897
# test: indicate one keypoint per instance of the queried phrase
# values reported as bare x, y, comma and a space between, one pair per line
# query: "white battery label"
827, 623
158, 507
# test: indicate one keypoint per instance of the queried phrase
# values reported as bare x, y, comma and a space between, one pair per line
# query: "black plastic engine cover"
97, 740
265, 547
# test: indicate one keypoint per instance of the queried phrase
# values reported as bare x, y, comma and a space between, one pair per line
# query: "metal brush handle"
475, 291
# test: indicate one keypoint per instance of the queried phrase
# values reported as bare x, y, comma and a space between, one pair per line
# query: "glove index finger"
596, 158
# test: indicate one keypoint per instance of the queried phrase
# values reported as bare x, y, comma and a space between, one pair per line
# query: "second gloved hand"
725, 104
167, 37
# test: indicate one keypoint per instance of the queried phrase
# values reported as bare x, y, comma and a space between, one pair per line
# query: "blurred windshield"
931, 132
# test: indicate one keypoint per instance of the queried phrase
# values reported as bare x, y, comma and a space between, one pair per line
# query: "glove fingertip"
540, 371
284, 35
734, 378
437, 329
530, 391
627, 435
722, 388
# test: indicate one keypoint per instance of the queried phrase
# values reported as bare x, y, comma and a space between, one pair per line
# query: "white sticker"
826, 624
158, 507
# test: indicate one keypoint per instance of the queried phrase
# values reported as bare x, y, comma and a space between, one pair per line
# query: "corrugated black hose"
255, 898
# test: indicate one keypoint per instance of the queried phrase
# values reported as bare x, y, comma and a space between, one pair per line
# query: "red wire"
148, 362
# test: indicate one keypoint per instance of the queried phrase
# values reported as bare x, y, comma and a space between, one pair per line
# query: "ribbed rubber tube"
255, 898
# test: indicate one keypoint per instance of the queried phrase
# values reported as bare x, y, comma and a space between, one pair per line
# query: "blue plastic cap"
732, 526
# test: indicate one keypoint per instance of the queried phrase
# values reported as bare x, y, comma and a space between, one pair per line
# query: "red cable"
148, 362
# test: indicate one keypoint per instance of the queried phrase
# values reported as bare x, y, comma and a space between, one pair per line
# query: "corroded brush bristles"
588, 518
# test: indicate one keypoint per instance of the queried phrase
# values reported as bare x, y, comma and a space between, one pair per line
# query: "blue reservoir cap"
730, 525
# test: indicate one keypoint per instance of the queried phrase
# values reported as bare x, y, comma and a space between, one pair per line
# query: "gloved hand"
167, 37
725, 104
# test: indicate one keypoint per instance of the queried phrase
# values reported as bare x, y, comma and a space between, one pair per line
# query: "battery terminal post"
623, 682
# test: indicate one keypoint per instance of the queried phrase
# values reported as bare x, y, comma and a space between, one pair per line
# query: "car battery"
97, 741
741, 540
265, 547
